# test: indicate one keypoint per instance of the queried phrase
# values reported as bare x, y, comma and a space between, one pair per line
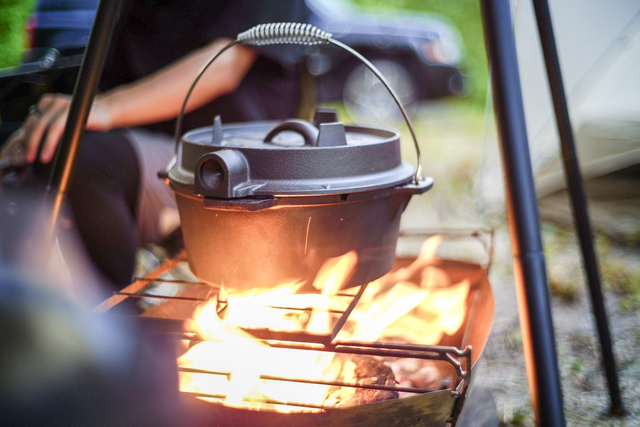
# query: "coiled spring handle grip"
290, 33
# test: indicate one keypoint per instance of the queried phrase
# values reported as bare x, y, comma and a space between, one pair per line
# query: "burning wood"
367, 370
423, 374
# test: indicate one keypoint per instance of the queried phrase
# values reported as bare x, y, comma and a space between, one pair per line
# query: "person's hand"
49, 116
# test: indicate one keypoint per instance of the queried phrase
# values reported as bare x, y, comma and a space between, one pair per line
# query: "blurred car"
62, 24
419, 54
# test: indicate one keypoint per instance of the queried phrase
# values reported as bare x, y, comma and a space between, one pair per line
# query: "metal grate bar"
260, 333
305, 309
248, 399
308, 337
174, 281
346, 384
137, 285
446, 354
451, 355
204, 371
132, 295
317, 382
343, 319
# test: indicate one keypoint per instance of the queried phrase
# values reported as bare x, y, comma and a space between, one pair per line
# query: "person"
117, 201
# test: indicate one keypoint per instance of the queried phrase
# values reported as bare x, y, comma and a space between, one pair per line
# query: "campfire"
396, 350
406, 306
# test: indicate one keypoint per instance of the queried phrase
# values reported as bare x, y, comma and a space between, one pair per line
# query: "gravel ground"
454, 140
586, 399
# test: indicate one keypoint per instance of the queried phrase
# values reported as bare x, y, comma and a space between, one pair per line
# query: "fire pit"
397, 351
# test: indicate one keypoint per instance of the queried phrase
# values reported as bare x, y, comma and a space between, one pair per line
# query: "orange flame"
392, 306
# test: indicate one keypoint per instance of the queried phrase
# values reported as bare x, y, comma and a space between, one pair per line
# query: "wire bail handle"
290, 33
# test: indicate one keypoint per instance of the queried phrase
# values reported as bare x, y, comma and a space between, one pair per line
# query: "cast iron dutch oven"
264, 203
267, 203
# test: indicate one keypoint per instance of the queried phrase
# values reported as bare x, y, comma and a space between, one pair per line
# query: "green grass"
13, 18
618, 276
577, 366
563, 273
621, 280
518, 417
514, 339
566, 290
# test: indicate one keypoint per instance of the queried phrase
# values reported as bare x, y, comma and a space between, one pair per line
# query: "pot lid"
293, 157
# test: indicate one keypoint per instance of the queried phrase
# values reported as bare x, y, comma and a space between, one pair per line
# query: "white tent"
599, 48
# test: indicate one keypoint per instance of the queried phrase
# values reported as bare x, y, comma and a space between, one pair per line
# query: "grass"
621, 280
577, 366
13, 17
564, 290
518, 417
514, 339
564, 265
563, 271
618, 276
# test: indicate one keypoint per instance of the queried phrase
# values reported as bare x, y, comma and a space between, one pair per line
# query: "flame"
404, 305
442, 312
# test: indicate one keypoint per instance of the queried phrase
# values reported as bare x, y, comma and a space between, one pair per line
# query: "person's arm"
151, 99
160, 95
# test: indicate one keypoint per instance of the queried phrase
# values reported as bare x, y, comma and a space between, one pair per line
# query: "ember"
406, 306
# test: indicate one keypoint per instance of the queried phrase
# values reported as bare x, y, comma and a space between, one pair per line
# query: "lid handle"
329, 135
308, 131
291, 33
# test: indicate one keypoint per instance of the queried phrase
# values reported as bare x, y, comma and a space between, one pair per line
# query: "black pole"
578, 199
83, 94
522, 213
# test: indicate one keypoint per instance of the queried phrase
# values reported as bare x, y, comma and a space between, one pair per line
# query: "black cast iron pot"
266, 203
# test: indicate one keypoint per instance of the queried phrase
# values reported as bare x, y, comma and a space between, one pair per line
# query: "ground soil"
586, 399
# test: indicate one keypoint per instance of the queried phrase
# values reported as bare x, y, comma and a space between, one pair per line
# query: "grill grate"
260, 333
458, 360
455, 357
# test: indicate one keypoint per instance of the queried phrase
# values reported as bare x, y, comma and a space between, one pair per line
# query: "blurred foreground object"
62, 365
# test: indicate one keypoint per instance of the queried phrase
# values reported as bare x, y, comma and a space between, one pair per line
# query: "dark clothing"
106, 191
154, 33
103, 197
102, 201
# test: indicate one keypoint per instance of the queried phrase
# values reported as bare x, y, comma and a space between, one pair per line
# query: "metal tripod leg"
522, 212
83, 94
577, 196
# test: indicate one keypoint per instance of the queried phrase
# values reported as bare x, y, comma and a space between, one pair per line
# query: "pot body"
290, 240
